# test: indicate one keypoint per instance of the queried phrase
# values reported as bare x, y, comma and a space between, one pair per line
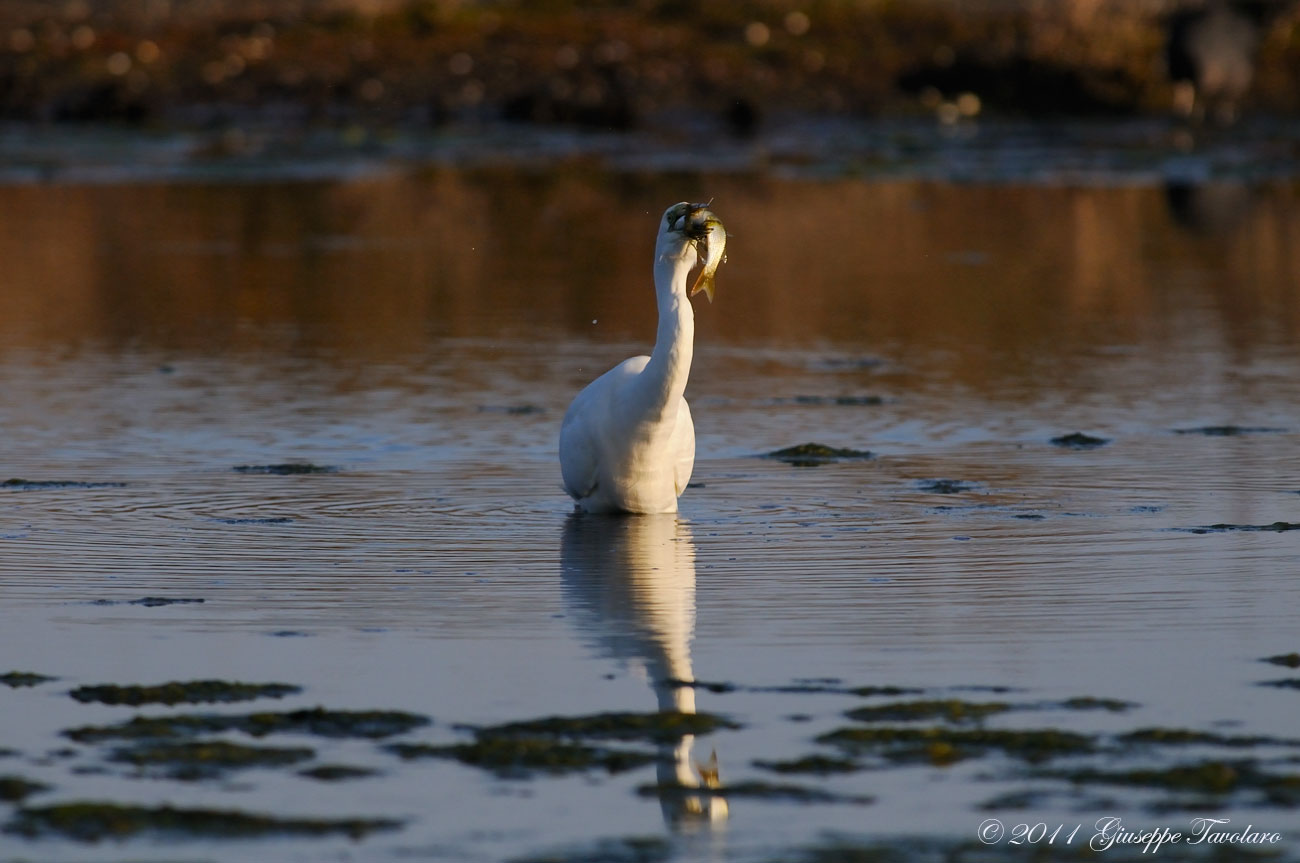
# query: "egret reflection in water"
629, 582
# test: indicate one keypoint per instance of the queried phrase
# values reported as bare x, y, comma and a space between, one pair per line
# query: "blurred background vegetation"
376, 64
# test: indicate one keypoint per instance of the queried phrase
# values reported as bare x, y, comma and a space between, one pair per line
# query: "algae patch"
1288, 660
154, 601
16, 788
20, 679
205, 759
370, 724
1206, 777
1275, 527
944, 486
814, 454
91, 822
518, 757
1188, 737
951, 710
652, 727
286, 469
1284, 683
1088, 702
942, 746
817, 765
1079, 440
186, 692
45, 485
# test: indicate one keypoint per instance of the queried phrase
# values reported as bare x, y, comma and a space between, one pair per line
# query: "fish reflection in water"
630, 584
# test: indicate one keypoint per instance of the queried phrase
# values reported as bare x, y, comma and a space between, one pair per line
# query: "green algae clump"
91, 822
370, 724
814, 454
1206, 777
1288, 660
1079, 440
286, 469
204, 759
1088, 702
187, 692
1188, 737
15, 788
20, 679
653, 727
943, 746
817, 765
517, 757
951, 709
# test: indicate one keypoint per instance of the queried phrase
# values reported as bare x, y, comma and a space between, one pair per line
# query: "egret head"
692, 233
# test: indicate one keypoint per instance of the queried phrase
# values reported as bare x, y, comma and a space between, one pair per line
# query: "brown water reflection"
372, 270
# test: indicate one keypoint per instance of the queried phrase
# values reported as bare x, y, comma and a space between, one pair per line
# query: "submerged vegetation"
518, 757
15, 788
814, 454
187, 692
286, 469
951, 709
318, 721
940, 746
48, 484
1079, 440
649, 727
1275, 527
91, 822
20, 679
205, 759
1205, 777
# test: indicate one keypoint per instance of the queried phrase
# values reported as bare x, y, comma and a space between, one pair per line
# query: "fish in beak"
710, 238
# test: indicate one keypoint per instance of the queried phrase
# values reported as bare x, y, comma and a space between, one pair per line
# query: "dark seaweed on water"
42, 485
15, 788
520, 757
152, 601
654, 727
286, 469
814, 454
91, 822
1275, 527
205, 759
186, 692
19, 679
319, 721
1079, 440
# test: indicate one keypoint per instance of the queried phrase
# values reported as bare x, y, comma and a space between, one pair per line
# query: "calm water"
423, 331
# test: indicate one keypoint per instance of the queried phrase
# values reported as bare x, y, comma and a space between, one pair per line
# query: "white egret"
627, 443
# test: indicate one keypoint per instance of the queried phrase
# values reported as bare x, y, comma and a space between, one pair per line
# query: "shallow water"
421, 331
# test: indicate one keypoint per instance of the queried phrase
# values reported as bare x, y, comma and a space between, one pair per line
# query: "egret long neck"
670, 362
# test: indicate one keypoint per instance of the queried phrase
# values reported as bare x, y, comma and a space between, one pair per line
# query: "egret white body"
627, 443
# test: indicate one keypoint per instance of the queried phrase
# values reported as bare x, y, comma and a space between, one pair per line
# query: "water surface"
419, 333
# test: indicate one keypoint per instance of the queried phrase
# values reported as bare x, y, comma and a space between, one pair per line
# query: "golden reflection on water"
376, 269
